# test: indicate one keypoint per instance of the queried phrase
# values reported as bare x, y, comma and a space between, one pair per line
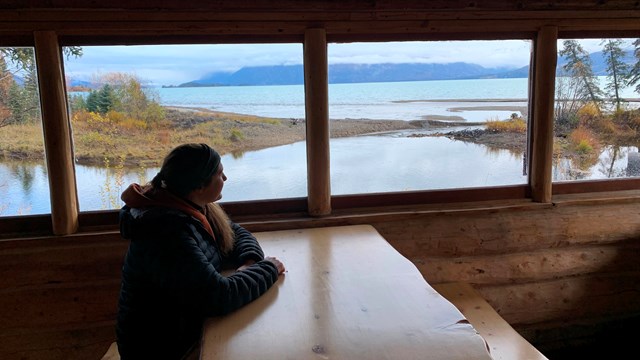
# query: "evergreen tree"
92, 101
6, 81
105, 99
633, 77
77, 103
579, 66
26, 105
23, 100
617, 69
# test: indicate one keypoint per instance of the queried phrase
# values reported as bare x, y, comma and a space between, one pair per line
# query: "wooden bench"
503, 341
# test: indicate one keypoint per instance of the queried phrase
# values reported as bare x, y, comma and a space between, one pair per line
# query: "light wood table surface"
346, 294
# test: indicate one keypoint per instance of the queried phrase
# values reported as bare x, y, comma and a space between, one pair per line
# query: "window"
131, 105
428, 115
24, 186
597, 122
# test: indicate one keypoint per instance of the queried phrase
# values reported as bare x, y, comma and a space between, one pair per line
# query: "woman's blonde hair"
221, 224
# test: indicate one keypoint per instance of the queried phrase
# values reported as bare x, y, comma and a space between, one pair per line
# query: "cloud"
175, 64
172, 64
499, 53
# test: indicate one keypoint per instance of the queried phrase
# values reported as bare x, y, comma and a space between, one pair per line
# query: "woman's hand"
277, 263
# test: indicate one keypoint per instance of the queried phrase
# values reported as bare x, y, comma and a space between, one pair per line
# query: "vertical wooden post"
57, 133
317, 121
544, 76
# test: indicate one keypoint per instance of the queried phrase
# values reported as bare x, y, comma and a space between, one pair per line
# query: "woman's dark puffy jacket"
171, 281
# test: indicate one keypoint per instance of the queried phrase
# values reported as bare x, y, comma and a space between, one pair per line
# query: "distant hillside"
346, 73
599, 63
361, 73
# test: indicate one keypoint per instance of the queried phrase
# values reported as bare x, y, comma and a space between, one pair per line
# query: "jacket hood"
139, 197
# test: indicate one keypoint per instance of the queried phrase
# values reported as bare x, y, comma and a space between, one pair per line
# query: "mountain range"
358, 73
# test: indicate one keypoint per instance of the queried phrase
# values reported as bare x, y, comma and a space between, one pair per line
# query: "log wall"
543, 267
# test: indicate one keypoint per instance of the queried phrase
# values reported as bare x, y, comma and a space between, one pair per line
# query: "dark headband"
188, 167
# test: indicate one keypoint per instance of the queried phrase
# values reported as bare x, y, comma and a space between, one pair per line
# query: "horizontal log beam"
571, 300
529, 267
58, 305
278, 28
327, 5
278, 14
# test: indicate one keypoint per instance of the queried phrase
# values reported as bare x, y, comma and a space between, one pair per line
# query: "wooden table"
347, 294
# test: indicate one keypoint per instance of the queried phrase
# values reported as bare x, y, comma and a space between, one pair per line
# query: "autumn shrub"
126, 122
81, 116
90, 121
514, 125
589, 110
603, 125
584, 147
628, 118
133, 124
94, 139
583, 141
115, 117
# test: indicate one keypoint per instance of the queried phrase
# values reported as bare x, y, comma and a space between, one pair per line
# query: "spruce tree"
26, 105
617, 69
578, 65
633, 76
105, 99
6, 81
92, 101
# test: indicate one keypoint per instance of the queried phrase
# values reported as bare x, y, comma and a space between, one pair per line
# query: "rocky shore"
492, 139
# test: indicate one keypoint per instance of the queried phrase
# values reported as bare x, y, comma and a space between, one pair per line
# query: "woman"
180, 242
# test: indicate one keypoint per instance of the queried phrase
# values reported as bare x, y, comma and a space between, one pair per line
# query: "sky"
176, 64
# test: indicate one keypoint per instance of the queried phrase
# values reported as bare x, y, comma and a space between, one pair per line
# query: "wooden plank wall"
541, 267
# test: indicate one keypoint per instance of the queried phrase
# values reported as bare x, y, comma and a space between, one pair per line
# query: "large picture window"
428, 115
130, 105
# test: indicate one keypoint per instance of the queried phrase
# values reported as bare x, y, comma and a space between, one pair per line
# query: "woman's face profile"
213, 191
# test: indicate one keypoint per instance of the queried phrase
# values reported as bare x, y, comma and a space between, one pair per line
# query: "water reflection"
24, 188
608, 163
362, 164
609, 158
24, 174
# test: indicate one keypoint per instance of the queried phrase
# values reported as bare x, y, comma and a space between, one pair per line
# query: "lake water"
395, 101
363, 164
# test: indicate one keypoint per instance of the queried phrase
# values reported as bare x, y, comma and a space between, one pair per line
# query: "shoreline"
228, 133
